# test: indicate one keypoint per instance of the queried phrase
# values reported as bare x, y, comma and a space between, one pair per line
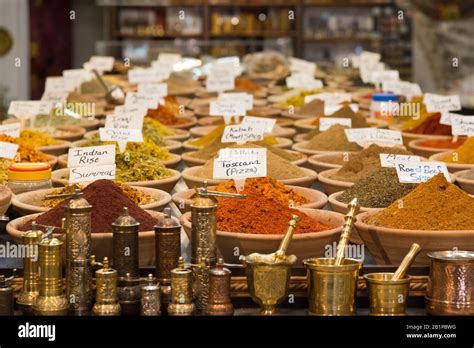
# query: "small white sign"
112, 134
462, 125
55, 97
367, 136
329, 98
29, 108
367, 69
242, 133
8, 150
303, 81
81, 75
220, 78
169, 58
91, 173
415, 173
326, 122
124, 121
159, 89
91, 156
61, 84
245, 98
217, 108
138, 110
385, 75
441, 103
149, 101
139, 75
302, 66
267, 123
101, 63
388, 160
367, 56
11, 129
240, 163
407, 89
232, 63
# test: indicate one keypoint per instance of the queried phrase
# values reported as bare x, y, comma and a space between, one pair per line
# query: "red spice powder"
432, 126
443, 144
107, 200
258, 214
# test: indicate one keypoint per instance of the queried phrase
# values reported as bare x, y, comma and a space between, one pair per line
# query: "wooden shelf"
340, 39
263, 34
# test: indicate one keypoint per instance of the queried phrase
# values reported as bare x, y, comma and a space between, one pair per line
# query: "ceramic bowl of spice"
278, 131
427, 148
296, 196
60, 178
5, 198
283, 143
303, 245
69, 133
322, 162
331, 186
34, 202
465, 179
436, 214
459, 159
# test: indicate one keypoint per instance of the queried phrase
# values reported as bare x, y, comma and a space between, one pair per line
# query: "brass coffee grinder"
106, 302
181, 291
6, 295
268, 275
219, 291
150, 297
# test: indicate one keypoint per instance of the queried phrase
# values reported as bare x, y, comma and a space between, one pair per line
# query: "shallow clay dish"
283, 143
331, 186
316, 199
452, 167
304, 246
59, 178
55, 150
300, 147
171, 163
192, 180
466, 184
101, 242
74, 133
425, 151
389, 246
5, 199
278, 131
321, 162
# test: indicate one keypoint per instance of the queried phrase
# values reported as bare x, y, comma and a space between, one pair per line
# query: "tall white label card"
91, 173
240, 163
415, 173
91, 156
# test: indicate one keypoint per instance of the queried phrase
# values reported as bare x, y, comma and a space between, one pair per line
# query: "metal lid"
167, 221
51, 242
151, 283
181, 269
32, 235
220, 270
78, 201
125, 220
106, 270
453, 255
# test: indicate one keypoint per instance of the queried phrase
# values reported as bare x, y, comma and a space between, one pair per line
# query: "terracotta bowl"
278, 131
193, 161
172, 145
58, 178
171, 163
30, 202
75, 133
424, 151
300, 147
466, 184
299, 138
192, 180
101, 242
408, 137
304, 246
305, 125
190, 122
55, 150
89, 125
181, 135
319, 163
5, 199
283, 143
331, 186
389, 246
452, 167
215, 120
316, 199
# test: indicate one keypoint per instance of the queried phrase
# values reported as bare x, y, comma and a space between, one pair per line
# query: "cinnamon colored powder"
107, 200
260, 215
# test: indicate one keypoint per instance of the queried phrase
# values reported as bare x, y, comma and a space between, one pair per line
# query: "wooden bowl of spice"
303, 245
325, 161
427, 148
465, 179
315, 199
331, 186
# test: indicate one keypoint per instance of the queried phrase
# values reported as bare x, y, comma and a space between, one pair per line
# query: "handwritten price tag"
462, 125
91, 173
240, 163
102, 63
388, 160
245, 98
159, 89
141, 99
303, 81
367, 136
415, 173
8, 150
121, 136
302, 66
91, 156
147, 75
124, 121
11, 129
242, 134
218, 108
29, 108
220, 78
441, 103
267, 123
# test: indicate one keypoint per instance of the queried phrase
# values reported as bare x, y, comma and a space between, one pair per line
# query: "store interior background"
432, 44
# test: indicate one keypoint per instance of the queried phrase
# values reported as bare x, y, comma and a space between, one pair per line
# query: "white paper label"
462, 125
29, 108
218, 108
232, 63
414, 173
159, 89
11, 129
147, 75
302, 66
388, 160
55, 97
366, 70
138, 110
169, 58
121, 135
245, 98
240, 163
124, 121
91, 156
303, 81
367, 136
327, 122
367, 56
102, 63
404, 88
441, 103
267, 123
91, 173
329, 98
81, 75
149, 101
8, 150
330, 109
242, 134
61, 84
385, 75
220, 78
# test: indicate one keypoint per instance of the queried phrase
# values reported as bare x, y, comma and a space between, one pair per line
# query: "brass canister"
219, 291
151, 297
387, 297
181, 291
50, 300
106, 302
78, 251
168, 250
451, 283
203, 232
125, 244
6, 296
201, 284
30, 271
128, 294
332, 289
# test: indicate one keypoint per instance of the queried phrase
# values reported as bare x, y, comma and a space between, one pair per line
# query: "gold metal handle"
407, 261
280, 253
346, 231
204, 192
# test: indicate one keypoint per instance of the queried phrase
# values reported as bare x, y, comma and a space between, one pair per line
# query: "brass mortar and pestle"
268, 275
